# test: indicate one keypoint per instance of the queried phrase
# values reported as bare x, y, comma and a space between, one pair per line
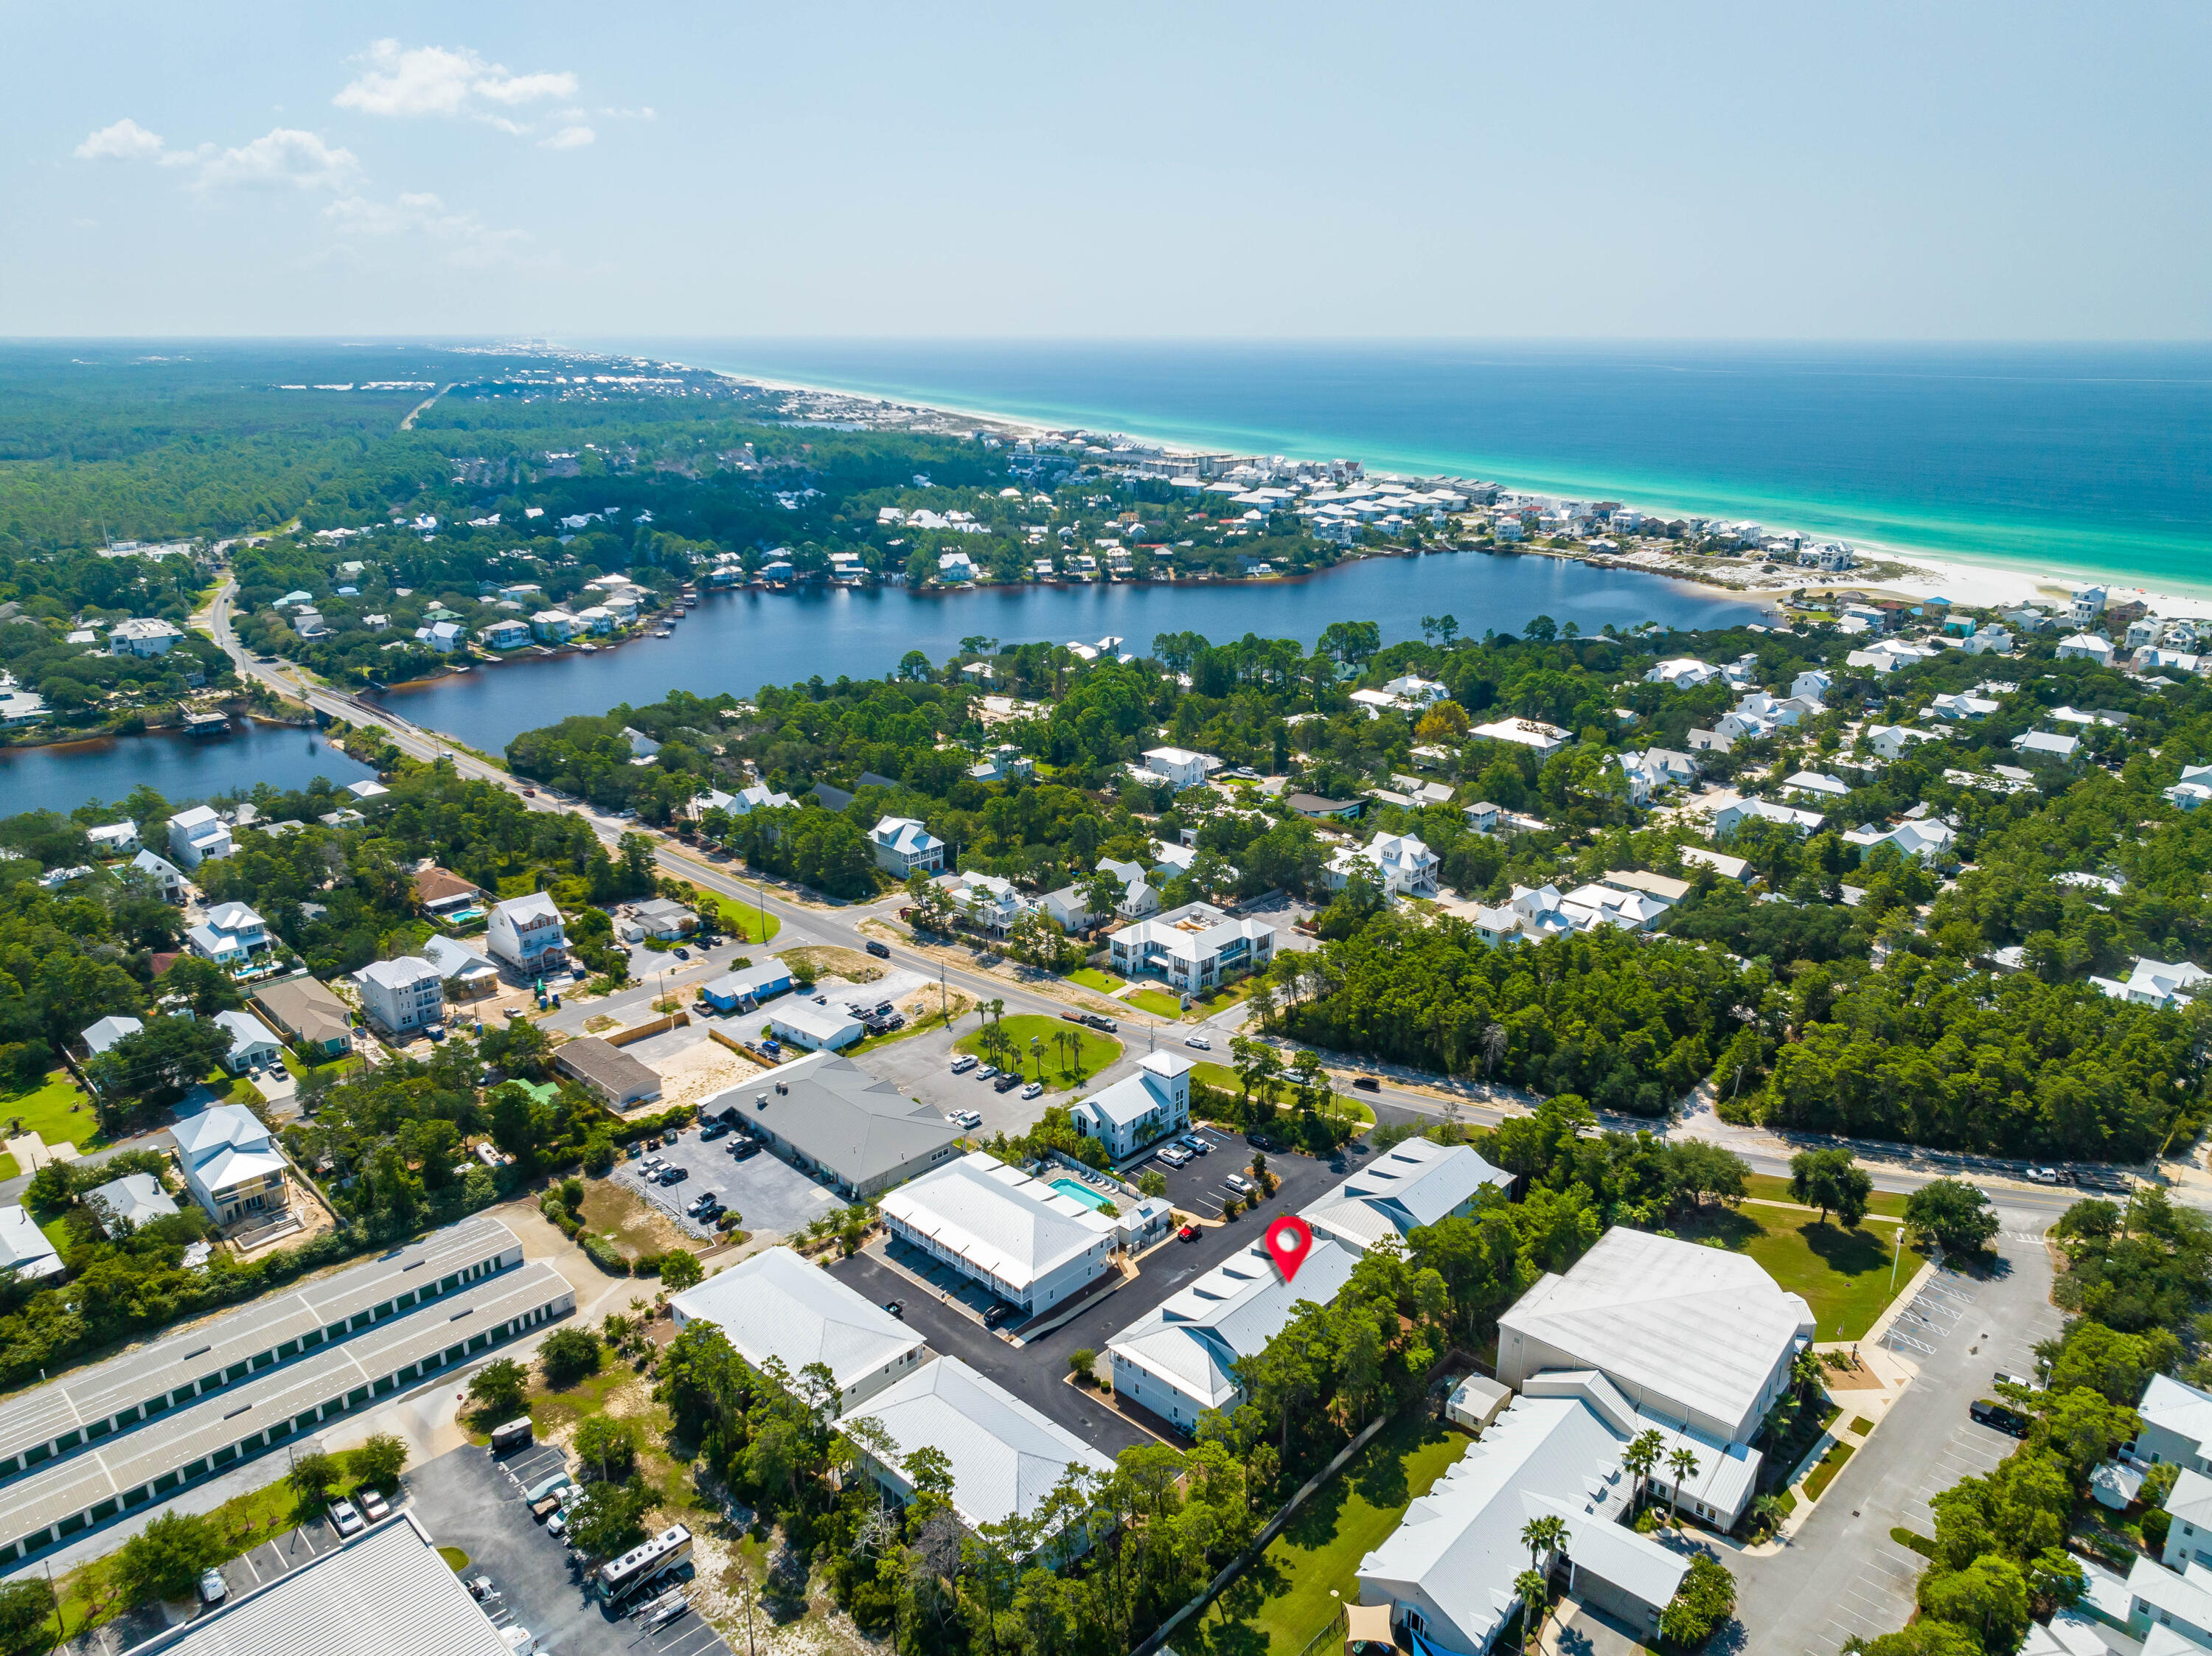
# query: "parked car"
277, 1068
999, 1311
963, 1064
1238, 1182
713, 1130
557, 1525
374, 1505
745, 1149
670, 1175
1174, 1155
1006, 1083
545, 1486
881, 951
346, 1520
970, 1119
1035, 1089
985, 1071
1199, 1041
1193, 1142
699, 1204
1187, 1233
683, 953
1367, 1083
1991, 1412
213, 1588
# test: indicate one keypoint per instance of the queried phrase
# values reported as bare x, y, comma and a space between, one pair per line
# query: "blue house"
740, 991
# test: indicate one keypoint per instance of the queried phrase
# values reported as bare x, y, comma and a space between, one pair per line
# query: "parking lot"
768, 1194
467, 1499
1036, 1371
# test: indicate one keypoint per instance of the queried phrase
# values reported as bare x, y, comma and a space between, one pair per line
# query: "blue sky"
1593, 171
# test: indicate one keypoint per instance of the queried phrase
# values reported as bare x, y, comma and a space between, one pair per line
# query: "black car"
1366, 1083
881, 951
674, 1175
713, 1130
997, 1314
745, 1149
1990, 1412
1005, 1083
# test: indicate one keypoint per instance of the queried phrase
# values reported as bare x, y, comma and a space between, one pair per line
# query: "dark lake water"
739, 641
179, 767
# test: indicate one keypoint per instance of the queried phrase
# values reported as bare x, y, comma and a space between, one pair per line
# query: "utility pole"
1897, 1253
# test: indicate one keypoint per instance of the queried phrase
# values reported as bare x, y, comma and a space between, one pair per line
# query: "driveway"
469, 1499
1841, 1575
768, 1194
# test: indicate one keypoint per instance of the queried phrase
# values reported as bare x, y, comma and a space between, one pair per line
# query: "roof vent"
759, 1100
782, 1087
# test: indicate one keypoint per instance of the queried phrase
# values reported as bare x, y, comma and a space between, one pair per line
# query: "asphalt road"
1402, 1095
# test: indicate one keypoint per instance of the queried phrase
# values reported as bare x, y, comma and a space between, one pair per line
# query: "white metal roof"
1672, 1323
385, 1593
1193, 1338
775, 1305
1412, 1184
1459, 1546
1007, 1224
1006, 1457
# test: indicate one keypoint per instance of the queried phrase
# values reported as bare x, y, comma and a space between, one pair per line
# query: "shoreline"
1922, 574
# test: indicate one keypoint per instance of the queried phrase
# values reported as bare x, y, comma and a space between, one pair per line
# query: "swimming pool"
1081, 1191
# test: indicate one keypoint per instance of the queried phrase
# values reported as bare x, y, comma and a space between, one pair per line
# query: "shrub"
1079, 1362
604, 1254
1705, 1599
680, 1269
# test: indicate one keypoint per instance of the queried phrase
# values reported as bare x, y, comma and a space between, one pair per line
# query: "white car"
962, 1064
968, 1119
213, 1588
2042, 1176
1238, 1182
986, 1072
346, 1520
1035, 1089
1199, 1041
1175, 1156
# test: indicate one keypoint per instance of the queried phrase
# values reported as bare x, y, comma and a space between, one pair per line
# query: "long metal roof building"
385, 1593
207, 1435
65, 1414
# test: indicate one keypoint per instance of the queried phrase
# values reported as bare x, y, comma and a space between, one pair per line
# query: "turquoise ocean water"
2087, 459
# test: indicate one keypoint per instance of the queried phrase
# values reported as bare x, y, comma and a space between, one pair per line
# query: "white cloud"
568, 138
126, 140
467, 240
435, 80
283, 156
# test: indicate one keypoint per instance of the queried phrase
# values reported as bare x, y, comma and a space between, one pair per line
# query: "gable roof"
1005, 1458
1193, 1338
998, 1218
222, 1127
776, 1305
1413, 1183
1700, 1326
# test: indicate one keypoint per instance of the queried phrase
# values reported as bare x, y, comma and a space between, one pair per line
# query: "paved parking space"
768, 1194
948, 1315
469, 1499
278, 1556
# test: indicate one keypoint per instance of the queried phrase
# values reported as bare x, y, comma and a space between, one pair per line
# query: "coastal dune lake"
739, 641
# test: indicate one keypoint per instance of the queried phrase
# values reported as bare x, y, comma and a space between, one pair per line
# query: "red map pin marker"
1289, 1239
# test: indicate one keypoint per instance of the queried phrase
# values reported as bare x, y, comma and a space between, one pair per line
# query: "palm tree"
1683, 1463
1804, 1371
1535, 1594
1640, 1458
1542, 1537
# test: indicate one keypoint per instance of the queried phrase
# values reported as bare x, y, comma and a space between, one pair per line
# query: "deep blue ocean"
2090, 458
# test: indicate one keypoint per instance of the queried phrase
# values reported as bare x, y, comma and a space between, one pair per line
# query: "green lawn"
921, 1026
57, 1112
1094, 1054
1845, 1275
1768, 1187
739, 919
1153, 1001
1323, 1545
1824, 1473
1092, 978
1222, 1077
